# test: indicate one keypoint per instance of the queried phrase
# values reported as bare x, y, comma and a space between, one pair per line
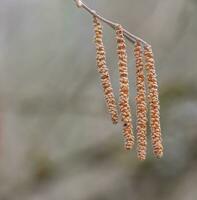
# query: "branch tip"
79, 3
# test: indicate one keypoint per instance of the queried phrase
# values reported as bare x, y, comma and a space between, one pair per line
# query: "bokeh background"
56, 138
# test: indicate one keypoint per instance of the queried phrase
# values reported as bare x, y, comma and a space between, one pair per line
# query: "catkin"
124, 89
154, 102
103, 70
140, 103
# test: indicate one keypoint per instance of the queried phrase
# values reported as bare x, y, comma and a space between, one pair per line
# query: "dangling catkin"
153, 98
124, 89
103, 70
140, 103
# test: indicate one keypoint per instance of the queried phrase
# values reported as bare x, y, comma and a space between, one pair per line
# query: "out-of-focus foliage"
57, 141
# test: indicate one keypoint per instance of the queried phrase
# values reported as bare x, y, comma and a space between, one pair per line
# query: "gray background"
57, 140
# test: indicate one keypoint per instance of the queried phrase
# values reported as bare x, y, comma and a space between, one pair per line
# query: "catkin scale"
140, 103
103, 70
125, 109
153, 99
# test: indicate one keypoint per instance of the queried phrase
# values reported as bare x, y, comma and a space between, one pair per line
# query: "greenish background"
57, 140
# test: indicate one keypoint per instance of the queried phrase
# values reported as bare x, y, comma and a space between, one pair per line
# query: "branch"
132, 38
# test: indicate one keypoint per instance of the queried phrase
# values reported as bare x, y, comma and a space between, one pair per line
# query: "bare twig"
132, 38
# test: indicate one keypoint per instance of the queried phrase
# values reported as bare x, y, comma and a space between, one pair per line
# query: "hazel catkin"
125, 109
153, 99
103, 70
140, 103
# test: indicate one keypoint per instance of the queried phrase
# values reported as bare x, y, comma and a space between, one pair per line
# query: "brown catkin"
140, 103
153, 98
103, 70
124, 89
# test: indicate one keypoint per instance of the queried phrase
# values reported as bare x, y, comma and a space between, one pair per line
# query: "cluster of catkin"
143, 59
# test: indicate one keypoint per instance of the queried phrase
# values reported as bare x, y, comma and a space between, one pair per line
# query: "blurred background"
56, 138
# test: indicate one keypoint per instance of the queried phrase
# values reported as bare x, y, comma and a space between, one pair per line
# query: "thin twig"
132, 38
